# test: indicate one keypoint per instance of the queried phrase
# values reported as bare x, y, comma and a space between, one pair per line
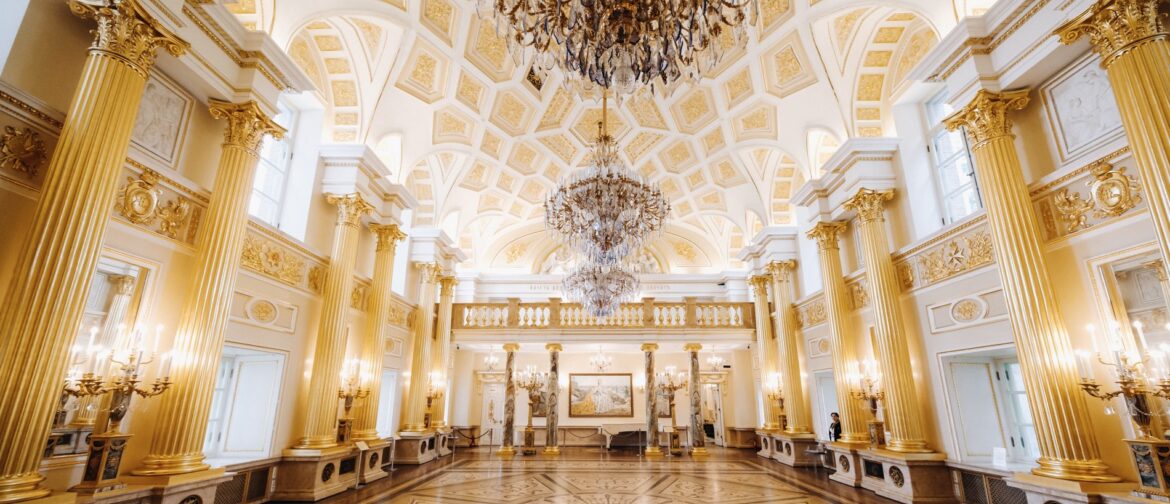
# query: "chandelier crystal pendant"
619, 44
600, 361
601, 289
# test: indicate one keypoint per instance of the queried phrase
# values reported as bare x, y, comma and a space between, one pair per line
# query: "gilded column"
177, 444
414, 411
552, 441
652, 449
842, 342
1133, 39
122, 291
320, 429
790, 353
374, 344
698, 436
442, 361
507, 446
1067, 448
51, 277
765, 348
902, 411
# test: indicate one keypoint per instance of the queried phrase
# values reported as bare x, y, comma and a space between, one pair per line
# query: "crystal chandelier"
605, 211
600, 361
619, 44
600, 289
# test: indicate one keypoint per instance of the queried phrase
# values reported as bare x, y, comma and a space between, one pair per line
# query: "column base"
312, 475
847, 459
767, 444
699, 453
790, 449
1042, 489
414, 448
653, 452
506, 452
909, 478
551, 451
370, 462
51, 498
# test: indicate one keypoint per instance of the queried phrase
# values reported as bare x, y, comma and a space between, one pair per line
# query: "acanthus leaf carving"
141, 202
125, 31
22, 151
1114, 26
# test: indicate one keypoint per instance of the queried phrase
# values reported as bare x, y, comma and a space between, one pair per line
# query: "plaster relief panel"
1081, 109
264, 312
162, 121
977, 309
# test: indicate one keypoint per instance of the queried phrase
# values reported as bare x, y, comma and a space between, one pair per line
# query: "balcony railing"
648, 314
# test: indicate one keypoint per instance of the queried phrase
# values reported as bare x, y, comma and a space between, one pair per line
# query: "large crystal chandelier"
601, 289
605, 211
617, 44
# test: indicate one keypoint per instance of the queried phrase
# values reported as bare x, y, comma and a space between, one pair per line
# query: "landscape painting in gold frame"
601, 395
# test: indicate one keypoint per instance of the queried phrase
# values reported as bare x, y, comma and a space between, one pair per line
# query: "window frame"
284, 167
1019, 449
945, 195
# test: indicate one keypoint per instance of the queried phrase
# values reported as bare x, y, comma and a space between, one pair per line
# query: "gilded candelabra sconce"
1150, 454
715, 362
350, 391
868, 379
775, 395
491, 362
126, 369
434, 393
533, 381
668, 382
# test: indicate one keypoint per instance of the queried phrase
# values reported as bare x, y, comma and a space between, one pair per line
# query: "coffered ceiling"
483, 139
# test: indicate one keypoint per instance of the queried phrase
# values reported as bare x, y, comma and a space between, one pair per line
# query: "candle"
1084, 365
157, 336
165, 369
1093, 338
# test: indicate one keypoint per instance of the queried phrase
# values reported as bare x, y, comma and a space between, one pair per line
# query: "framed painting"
601, 395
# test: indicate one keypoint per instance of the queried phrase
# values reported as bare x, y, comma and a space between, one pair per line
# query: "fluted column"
791, 356
320, 428
177, 444
765, 348
414, 410
1067, 448
374, 344
1133, 39
51, 277
507, 446
121, 292
842, 342
552, 440
652, 449
442, 362
902, 411
698, 437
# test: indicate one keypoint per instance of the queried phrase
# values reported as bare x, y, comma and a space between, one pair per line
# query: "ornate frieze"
1094, 194
146, 203
273, 261
812, 312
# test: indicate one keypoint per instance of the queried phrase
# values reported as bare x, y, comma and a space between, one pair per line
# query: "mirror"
1137, 293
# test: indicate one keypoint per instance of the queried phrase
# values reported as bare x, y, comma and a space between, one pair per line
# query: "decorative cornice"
1114, 27
986, 117
126, 32
869, 204
247, 124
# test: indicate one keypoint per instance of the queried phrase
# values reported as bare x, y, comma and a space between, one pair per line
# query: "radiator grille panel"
232, 491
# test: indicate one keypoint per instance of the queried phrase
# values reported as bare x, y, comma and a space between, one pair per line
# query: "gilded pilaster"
842, 342
1133, 39
902, 411
414, 410
320, 428
652, 448
507, 446
177, 444
695, 386
365, 414
1067, 448
442, 362
53, 270
790, 353
121, 292
765, 349
552, 438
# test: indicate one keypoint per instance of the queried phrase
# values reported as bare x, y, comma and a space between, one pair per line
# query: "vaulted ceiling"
480, 140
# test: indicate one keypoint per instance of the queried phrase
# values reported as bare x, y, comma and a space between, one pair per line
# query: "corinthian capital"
127, 32
986, 117
827, 234
388, 236
247, 124
782, 270
429, 272
869, 204
350, 207
447, 285
1116, 26
760, 285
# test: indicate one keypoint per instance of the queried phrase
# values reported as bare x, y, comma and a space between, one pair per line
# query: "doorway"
713, 414
242, 422
826, 402
492, 412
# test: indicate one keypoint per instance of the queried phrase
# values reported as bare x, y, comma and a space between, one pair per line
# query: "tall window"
271, 182
954, 171
1022, 433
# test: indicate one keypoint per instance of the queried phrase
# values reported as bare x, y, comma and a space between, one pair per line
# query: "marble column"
507, 446
377, 327
414, 409
652, 448
842, 342
52, 273
177, 444
698, 437
320, 428
121, 293
1068, 450
1133, 39
791, 355
902, 410
765, 349
552, 439
442, 362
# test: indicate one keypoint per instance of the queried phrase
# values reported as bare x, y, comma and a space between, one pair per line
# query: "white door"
388, 403
826, 402
251, 415
714, 401
977, 421
492, 416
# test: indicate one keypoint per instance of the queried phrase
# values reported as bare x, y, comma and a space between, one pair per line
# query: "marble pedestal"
847, 459
766, 442
443, 441
171, 489
370, 468
414, 448
312, 475
790, 449
907, 477
1044, 490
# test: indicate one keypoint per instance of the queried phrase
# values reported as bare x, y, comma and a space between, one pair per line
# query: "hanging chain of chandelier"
621, 44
